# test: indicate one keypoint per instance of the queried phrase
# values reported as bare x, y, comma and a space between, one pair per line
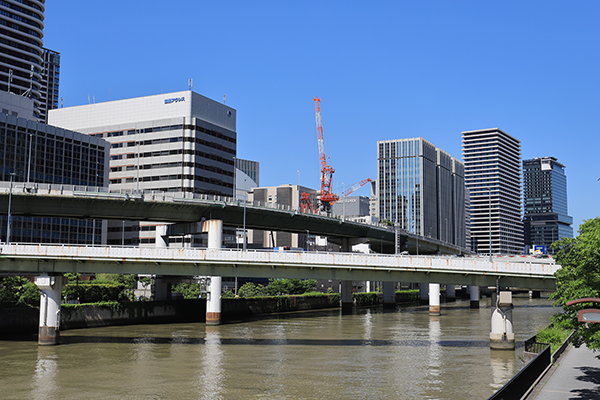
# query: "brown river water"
370, 354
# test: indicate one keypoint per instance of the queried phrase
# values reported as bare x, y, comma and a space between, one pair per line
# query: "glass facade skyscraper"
545, 198
421, 188
493, 176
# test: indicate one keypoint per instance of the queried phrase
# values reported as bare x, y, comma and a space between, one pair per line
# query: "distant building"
274, 196
492, 160
421, 188
546, 218
351, 206
250, 168
31, 153
49, 96
175, 142
374, 203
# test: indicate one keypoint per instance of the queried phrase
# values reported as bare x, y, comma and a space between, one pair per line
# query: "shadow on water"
75, 339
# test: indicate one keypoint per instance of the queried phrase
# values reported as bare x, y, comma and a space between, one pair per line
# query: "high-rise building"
420, 187
545, 199
177, 142
492, 160
21, 49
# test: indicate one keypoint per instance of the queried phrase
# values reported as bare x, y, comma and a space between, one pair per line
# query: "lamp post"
29, 158
244, 221
446, 222
9, 204
490, 219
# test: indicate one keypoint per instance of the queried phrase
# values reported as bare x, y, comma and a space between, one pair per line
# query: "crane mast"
327, 197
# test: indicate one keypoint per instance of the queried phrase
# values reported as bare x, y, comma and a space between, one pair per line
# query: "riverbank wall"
74, 316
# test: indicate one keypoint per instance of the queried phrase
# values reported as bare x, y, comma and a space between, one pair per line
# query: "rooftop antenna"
224, 98
190, 83
61, 102
10, 78
28, 91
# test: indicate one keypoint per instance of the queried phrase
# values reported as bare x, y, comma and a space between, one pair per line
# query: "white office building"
177, 142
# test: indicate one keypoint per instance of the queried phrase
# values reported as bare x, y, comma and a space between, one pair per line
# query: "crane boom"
355, 187
327, 197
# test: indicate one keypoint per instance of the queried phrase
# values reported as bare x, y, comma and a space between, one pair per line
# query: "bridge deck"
530, 273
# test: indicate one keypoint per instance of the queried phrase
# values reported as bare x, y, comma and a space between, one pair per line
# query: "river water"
373, 353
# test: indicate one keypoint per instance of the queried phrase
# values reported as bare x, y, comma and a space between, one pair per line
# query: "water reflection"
370, 354
503, 367
45, 375
210, 375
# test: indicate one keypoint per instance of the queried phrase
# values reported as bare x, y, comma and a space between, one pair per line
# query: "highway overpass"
44, 200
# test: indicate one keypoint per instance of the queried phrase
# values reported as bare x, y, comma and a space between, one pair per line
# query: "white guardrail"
526, 266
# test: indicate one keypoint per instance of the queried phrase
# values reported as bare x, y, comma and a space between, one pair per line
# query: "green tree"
189, 290
18, 291
279, 287
249, 289
579, 277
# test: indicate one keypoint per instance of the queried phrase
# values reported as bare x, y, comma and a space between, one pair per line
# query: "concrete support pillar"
450, 292
213, 301
434, 299
347, 302
49, 328
423, 293
162, 288
389, 295
474, 295
161, 236
501, 335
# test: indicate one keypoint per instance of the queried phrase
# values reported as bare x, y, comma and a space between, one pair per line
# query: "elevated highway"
520, 272
44, 200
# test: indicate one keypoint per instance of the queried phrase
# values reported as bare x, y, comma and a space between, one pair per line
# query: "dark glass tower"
545, 198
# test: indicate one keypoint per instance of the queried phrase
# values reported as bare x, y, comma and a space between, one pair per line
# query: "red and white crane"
326, 196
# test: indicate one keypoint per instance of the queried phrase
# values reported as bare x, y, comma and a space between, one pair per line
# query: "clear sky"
383, 70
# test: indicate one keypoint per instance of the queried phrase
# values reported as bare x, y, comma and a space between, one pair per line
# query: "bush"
94, 292
553, 335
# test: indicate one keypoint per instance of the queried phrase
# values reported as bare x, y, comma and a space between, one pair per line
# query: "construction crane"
326, 197
357, 186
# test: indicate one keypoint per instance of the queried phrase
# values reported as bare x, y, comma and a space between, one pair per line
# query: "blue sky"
383, 70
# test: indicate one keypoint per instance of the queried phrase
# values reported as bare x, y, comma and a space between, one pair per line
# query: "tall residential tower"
493, 177
21, 49
545, 197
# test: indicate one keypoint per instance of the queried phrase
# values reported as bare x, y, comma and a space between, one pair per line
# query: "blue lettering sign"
174, 100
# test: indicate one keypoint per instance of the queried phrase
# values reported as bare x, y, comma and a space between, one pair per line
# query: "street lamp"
244, 222
29, 159
490, 219
12, 175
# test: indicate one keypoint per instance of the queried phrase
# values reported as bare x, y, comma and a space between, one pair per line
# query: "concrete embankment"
25, 319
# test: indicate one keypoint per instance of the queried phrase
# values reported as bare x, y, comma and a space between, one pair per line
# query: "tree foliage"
578, 278
18, 291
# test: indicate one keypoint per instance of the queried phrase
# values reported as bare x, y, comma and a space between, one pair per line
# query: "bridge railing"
284, 257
